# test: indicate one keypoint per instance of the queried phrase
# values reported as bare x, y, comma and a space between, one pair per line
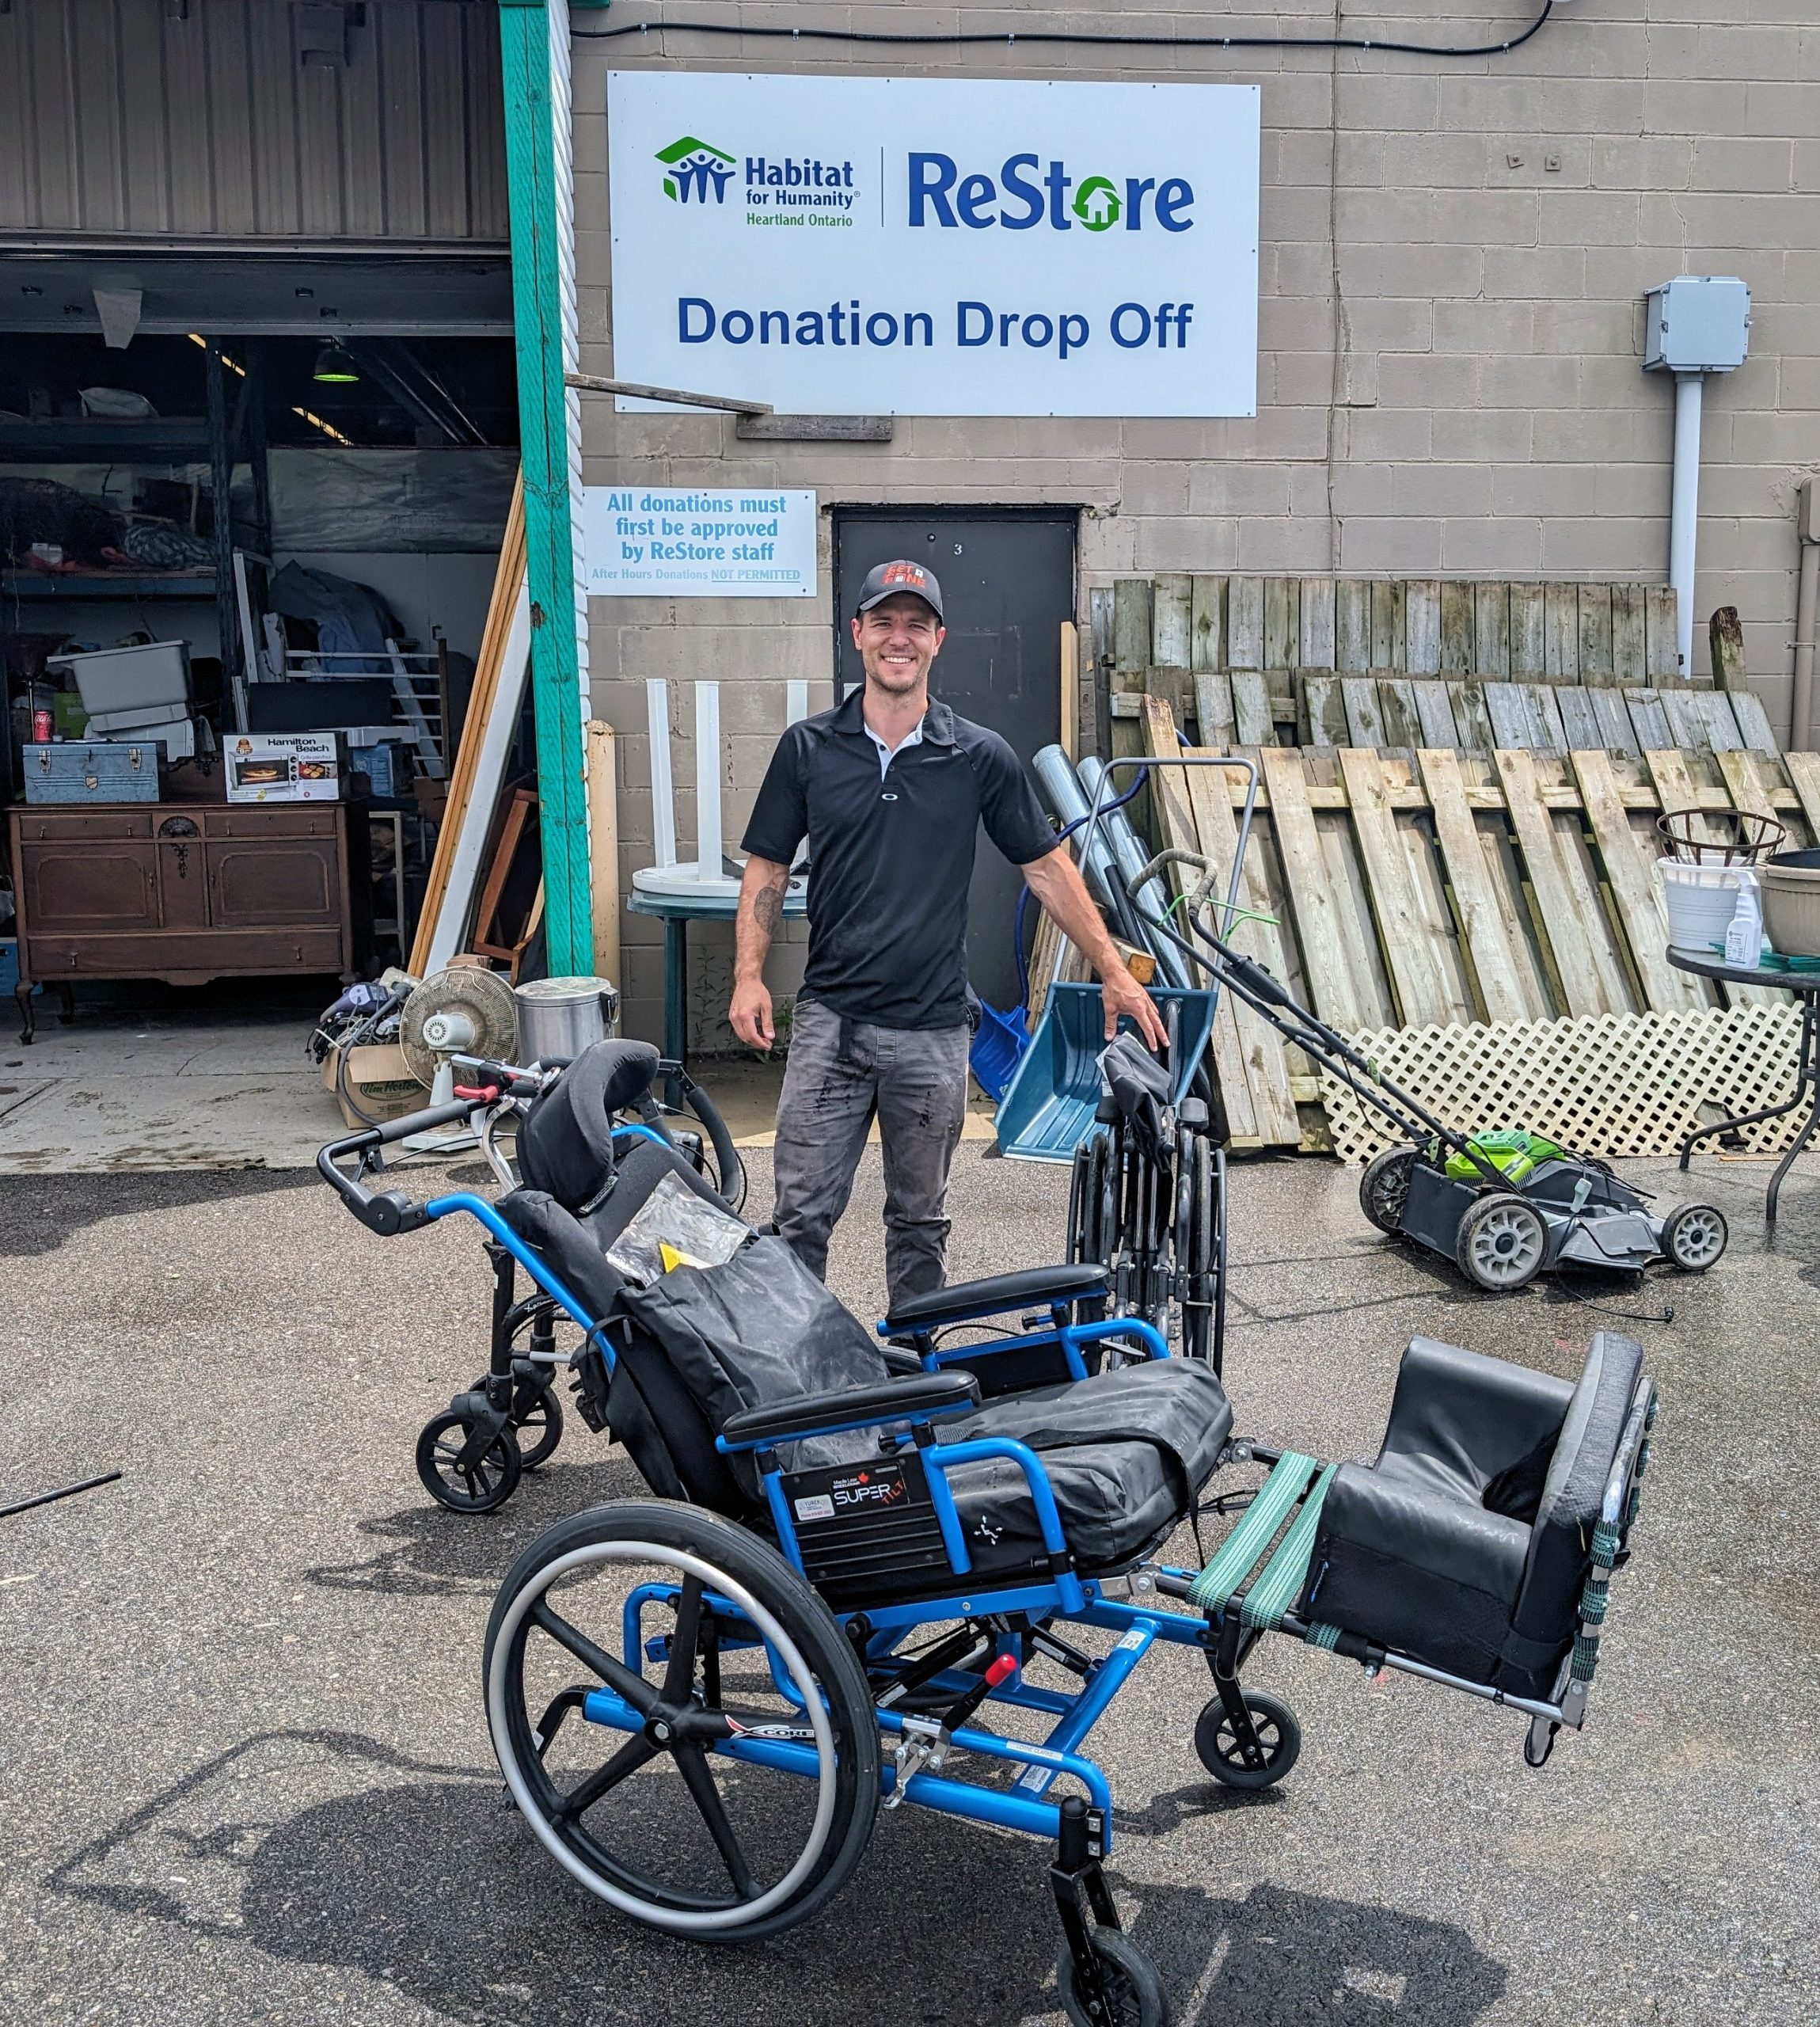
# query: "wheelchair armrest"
851, 1407
964, 1301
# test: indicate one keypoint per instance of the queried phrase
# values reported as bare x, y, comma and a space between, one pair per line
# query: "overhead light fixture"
334, 366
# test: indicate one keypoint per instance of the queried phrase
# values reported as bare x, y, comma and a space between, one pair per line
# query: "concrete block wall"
1453, 260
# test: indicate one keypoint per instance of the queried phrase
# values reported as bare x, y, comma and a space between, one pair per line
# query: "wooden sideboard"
188, 892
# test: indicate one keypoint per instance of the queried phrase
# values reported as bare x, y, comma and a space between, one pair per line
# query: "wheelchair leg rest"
1083, 1901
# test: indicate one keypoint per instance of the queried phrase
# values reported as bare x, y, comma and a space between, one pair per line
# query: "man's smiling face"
897, 639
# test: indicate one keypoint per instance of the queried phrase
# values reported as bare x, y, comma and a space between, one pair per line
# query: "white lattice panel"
1609, 1084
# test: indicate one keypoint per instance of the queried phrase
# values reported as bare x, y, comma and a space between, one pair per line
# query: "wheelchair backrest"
565, 1140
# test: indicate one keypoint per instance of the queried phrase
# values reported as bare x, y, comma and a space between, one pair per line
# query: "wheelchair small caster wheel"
1225, 1757
536, 1419
1135, 1995
477, 1486
1693, 1237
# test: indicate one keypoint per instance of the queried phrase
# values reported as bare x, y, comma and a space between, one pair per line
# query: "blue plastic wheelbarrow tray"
1048, 1110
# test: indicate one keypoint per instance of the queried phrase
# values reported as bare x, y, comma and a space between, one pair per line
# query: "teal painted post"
550, 534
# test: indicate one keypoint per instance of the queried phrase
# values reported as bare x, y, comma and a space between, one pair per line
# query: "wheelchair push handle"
387, 1211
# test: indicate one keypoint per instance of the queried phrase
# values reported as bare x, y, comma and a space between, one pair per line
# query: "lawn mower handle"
387, 1211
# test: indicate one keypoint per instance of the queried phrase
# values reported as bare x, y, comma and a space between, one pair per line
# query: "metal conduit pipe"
1801, 714
1055, 771
1683, 510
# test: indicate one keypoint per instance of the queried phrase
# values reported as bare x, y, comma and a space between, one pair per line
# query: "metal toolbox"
94, 770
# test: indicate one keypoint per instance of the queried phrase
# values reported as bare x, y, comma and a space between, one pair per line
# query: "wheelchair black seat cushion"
1466, 1543
565, 1141
1127, 1452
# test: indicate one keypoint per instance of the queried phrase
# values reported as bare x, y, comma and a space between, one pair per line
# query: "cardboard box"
285, 766
378, 1076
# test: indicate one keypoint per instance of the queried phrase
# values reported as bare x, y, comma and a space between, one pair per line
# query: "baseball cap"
884, 580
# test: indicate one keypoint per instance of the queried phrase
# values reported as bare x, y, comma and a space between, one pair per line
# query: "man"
891, 788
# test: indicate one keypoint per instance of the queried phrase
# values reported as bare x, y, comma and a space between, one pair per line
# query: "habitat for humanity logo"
695, 168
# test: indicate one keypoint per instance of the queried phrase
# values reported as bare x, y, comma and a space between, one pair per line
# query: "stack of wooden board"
1430, 888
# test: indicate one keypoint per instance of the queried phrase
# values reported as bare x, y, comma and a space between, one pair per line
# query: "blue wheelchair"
919, 1567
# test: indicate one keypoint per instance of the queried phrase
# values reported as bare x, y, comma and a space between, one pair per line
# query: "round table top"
1710, 965
717, 903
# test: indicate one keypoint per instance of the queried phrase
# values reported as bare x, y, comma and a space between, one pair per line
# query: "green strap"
1277, 1589
1321, 1634
1242, 1548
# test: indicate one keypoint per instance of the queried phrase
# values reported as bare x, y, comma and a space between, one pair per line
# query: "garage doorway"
1007, 583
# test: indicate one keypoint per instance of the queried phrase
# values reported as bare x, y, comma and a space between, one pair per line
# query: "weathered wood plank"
1171, 608
1617, 734
1352, 625
1491, 628
1545, 714
1712, 710
1662, 640
1131, 601
1282, 621
1725, 643
1251, 709
1269, 1066
1528, 647
1654, 732
1099, 628
1577, 717
1433, 713
1753, 726
1421, 957
1688, 727
1630, 659
1508, 711
1213, 709
1561, 633
1457, 628
1175, 824
1568, 913
1472, 716
1364, 720
1804, 772
1495, 968
1396, 708
1326, 725
1387, 642
1207, 623
1422, 626
1629, 871
1595, 603
1316, 643
1245, 621
1325, 939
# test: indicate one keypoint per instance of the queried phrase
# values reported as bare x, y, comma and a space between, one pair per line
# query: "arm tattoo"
768, 909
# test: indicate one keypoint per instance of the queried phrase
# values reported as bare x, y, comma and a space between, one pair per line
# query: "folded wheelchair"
921, 1570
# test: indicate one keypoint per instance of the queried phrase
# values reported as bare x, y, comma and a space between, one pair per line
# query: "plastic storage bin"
154, 678
1700, 900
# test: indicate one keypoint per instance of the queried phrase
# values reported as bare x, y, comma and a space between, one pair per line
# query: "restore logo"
695, 168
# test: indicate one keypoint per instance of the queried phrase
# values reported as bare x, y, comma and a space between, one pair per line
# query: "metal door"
1007, 583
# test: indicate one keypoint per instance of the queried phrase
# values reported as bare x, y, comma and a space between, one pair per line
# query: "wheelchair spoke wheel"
1134, 1994
1225, 1755
714, 1770
480, 1485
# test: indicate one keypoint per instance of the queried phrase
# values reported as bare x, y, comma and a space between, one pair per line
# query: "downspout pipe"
1801, 713
1683, 510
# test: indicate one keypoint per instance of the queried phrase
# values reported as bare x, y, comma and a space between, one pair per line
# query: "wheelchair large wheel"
1203, 1256
1134, 1992
722, 1783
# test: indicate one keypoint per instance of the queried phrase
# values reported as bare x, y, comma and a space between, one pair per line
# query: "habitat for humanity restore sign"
911, 246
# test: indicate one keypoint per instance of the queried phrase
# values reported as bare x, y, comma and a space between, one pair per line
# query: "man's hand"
751, 1013
1122, 994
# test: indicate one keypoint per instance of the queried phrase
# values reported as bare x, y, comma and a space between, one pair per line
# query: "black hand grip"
388, 1211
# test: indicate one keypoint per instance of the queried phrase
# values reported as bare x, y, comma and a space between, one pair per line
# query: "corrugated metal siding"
126, 116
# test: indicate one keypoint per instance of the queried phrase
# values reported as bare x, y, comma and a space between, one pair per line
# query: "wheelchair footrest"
1252, 1560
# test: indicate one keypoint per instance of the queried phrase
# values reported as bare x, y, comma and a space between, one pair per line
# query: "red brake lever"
484, 1094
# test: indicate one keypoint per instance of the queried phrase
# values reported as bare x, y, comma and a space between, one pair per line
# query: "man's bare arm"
1056, 882
760, 909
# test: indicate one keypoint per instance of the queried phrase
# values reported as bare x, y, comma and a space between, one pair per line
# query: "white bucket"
1700, 900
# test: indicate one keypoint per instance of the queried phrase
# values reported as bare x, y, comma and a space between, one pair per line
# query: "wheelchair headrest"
565, 1141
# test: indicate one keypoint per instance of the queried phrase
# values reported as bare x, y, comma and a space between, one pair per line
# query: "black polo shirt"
891, 859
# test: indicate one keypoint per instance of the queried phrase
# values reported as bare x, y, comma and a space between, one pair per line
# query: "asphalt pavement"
246, 1776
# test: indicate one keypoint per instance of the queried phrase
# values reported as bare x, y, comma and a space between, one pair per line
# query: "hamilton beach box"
286, 766
94, 770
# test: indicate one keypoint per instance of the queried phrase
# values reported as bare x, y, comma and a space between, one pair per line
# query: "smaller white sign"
677, 542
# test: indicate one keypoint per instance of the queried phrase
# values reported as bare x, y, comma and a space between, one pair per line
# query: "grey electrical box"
1697, 324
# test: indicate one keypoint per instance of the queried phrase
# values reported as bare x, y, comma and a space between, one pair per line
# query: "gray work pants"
840, 1073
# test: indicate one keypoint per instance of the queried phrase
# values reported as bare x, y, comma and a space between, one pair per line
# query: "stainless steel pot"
559, 1017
